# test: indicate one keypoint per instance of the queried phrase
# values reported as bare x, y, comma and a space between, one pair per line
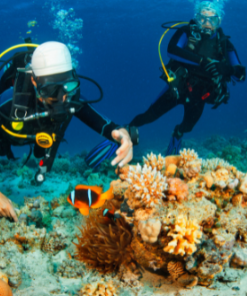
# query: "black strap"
54, 148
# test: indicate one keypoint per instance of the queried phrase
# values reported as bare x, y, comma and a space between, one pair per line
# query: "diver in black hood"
202, 61
40, 106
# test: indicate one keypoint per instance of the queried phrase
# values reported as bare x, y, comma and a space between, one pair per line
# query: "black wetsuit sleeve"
234, 61
96, 121
177, 48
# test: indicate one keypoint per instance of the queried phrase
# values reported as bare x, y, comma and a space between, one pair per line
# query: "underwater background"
120, 51
202, 192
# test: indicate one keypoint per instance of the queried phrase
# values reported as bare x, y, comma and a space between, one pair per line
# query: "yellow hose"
169, 79
18, 46
13, 134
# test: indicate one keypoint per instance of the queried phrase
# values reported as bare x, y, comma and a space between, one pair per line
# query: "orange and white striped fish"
85, 197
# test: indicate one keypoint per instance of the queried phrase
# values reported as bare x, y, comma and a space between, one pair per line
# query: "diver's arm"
239, 70
96, 121
176, 48
111, 131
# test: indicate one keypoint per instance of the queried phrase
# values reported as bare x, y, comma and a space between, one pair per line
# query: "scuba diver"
202, 62
40, 105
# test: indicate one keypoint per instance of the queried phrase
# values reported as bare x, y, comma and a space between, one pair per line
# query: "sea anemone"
103, 244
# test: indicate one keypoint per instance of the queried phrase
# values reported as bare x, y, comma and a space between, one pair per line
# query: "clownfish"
85, 197
109, 214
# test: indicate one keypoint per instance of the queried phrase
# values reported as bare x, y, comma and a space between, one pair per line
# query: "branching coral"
192, 168
147, 185
212, 164
186, 234
155, 161
187, 155
103, 244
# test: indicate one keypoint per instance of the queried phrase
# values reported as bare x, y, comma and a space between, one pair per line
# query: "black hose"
99, 87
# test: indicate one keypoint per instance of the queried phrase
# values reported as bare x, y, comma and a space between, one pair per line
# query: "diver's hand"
239, 72
125, 151
6, 208
217, 68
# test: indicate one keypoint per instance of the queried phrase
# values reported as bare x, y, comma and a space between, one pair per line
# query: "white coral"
149, 230
147, 184
187, 155
211, 164
154, 161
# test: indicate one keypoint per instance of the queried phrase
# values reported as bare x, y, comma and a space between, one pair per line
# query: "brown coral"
177, 188
103, 244
237, 199
175, 269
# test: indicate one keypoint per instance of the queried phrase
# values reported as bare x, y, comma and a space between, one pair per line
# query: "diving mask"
52, 86
202, 20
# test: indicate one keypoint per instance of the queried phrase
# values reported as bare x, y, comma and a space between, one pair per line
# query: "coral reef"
177, 219
195, 226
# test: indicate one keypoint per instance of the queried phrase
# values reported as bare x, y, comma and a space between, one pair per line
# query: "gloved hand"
240, 72
216, 68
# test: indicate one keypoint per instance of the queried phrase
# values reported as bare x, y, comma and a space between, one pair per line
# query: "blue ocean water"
120, 51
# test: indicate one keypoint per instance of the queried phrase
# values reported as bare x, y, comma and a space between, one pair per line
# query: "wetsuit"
195, 86
87, 114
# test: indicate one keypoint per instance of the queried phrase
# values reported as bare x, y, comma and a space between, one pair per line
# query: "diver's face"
205, 23
48, 100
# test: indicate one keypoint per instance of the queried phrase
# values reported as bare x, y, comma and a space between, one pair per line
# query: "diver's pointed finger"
124, 146
127, 159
